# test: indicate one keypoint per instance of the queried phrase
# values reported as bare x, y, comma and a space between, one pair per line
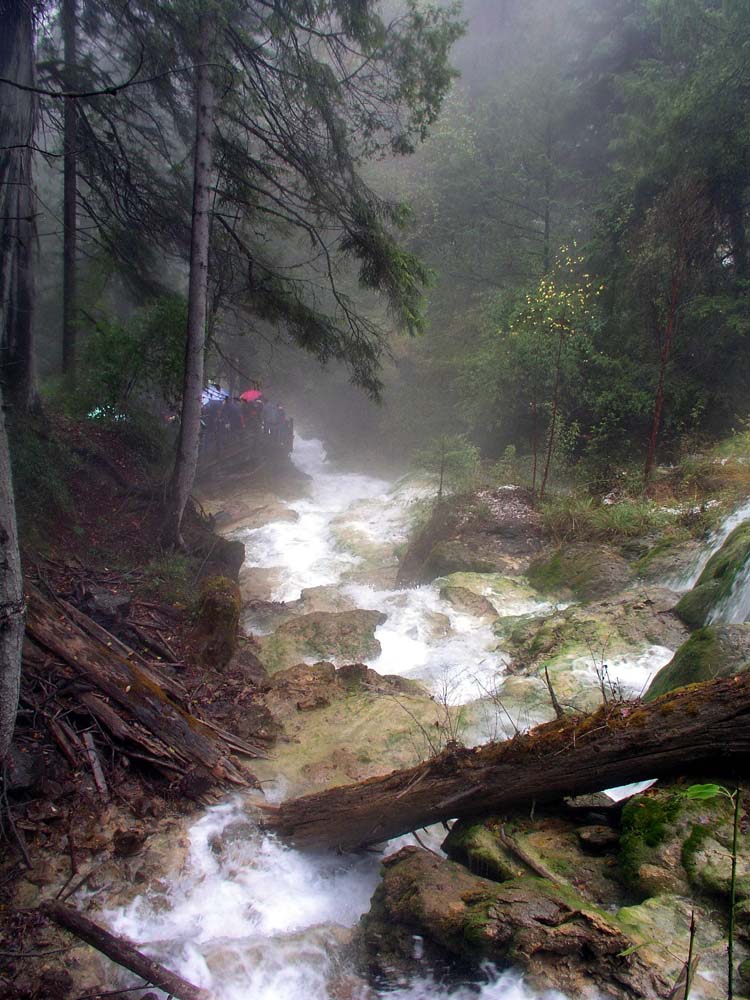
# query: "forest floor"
78, 805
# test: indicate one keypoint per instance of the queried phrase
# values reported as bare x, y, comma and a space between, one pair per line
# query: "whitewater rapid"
251, 919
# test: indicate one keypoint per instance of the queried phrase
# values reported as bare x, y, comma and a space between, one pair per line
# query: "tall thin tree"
189, 437
18, 112
70, 193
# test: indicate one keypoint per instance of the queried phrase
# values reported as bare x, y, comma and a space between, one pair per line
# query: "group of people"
251, 417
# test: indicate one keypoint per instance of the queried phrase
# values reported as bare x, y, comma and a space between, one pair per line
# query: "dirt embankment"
140, 700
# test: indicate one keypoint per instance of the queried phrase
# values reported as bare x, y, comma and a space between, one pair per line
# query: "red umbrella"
251, 395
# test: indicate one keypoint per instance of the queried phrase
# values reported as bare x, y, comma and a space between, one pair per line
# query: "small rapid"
251, 919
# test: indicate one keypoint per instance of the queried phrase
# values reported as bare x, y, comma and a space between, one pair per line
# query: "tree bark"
70, 192
704, 725
123, 953
130, 686
186, 461
11, 599
18, 113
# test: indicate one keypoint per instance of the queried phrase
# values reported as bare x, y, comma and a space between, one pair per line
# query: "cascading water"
254, 920
688, 579
250, 919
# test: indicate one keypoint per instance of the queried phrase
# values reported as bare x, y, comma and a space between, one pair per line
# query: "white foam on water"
425, 639
688, 579
304, 550
255, 920
734, 609
630, 672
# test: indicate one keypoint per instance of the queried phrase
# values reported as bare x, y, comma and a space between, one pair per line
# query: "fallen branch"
96, 766
128, 684
123, 953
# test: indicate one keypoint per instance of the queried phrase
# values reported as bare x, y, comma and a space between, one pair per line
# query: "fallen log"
703, 725
123, 953
128, 685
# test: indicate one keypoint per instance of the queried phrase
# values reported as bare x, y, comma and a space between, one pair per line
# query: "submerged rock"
627, 633
714, 651
561, 941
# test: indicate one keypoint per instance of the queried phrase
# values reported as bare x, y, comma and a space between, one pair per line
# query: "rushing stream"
253, 920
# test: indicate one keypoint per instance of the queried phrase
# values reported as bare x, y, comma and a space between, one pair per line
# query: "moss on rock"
716, 581
587, 572
477, 847
342, 637
714, 651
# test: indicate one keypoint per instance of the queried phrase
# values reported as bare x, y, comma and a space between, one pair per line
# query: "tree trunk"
11, 599
706, 726
70, 194
188, 442
553, 420
18, 111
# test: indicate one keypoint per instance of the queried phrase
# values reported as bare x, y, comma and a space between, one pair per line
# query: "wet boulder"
715, 583
676, 845
467, 601
714, 651
492, 531
552, 933
583, 571
341, 637
214, 636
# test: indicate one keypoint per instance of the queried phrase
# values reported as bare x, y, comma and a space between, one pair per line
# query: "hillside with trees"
374, 456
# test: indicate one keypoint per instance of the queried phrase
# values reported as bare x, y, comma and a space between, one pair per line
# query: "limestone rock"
492, 531
561, 941
342, 637
584, 571
465, 600
714, 651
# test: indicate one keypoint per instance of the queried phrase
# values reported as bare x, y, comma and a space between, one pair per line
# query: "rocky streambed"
379, 646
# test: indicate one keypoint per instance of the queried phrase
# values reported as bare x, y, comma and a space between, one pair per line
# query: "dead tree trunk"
129, 685
705, 725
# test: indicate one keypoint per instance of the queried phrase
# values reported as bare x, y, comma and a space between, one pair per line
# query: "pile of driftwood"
94, 691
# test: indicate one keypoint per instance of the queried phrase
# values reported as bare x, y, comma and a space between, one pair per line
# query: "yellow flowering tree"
550, 334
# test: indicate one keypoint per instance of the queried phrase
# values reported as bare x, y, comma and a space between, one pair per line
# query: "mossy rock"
341, 637
714, 651
673, 844
456, 556
468, 602
586, 572
717, 579
214, 636
476, 846
549, 930
662, 926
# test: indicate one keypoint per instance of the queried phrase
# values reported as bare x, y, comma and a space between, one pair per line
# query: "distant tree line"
596, 147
